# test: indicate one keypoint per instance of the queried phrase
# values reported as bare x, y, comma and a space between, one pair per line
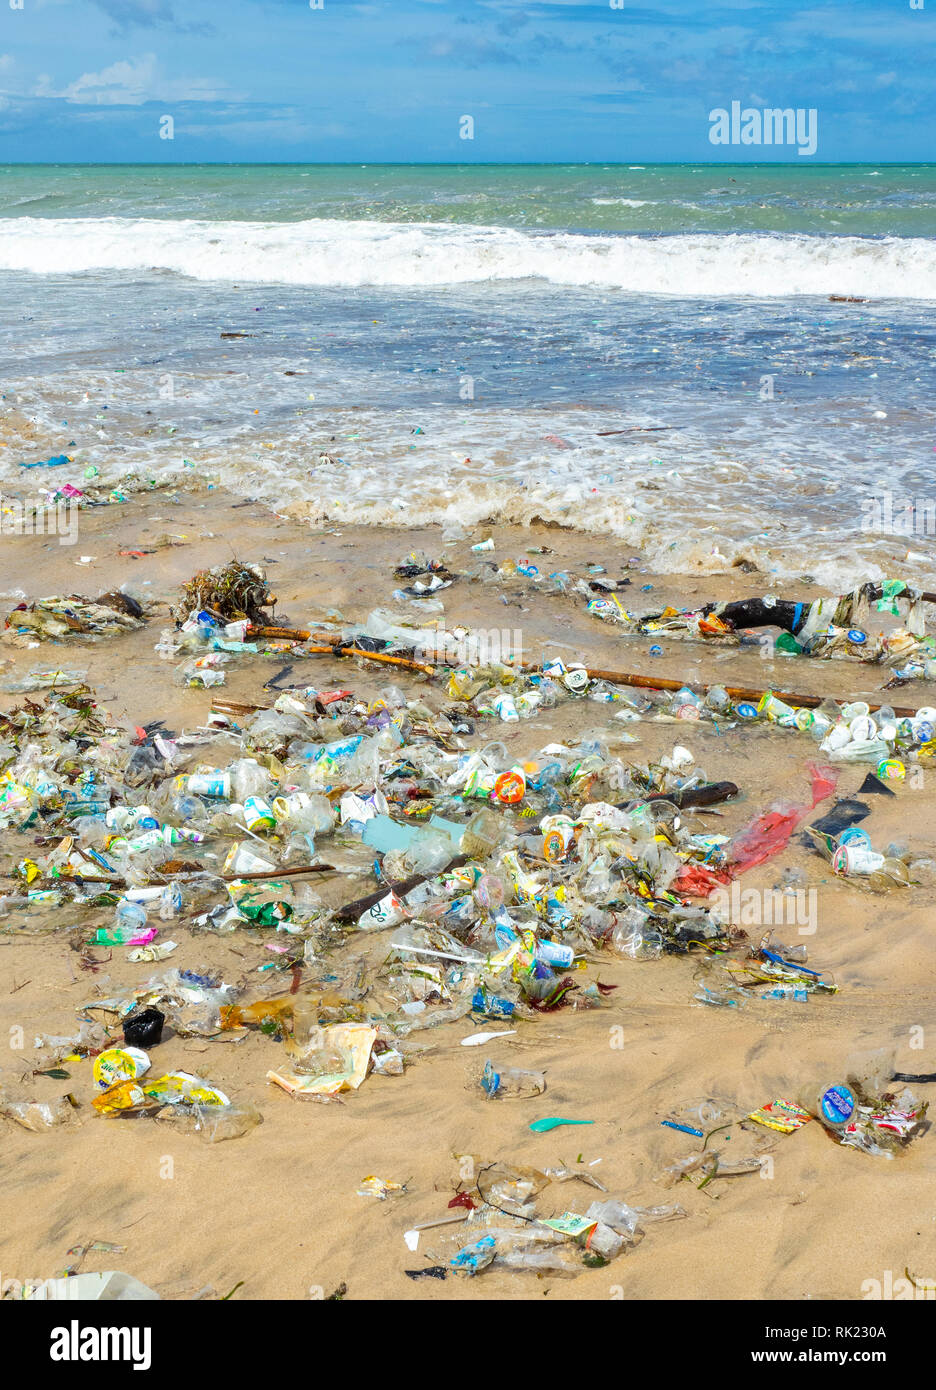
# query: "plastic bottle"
538, 1259
605, 1241
831, 1102
170, 902
787, 991
893, 873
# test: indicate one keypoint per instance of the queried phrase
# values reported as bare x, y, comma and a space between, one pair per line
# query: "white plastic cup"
258, 814
241, 860
213, 784
853, 859
863, 728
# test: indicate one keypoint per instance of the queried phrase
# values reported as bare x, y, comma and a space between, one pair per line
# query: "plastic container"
211, 784
258, 814
856, 859
504, 705
242, 860
483, 834
144, 1029
511, 1082
832, 1103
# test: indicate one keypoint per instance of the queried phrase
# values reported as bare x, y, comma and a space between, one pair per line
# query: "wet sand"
278, 1209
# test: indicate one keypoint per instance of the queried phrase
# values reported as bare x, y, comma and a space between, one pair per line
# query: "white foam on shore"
327, 252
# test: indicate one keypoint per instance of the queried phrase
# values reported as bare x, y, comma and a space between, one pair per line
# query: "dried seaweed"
229, 592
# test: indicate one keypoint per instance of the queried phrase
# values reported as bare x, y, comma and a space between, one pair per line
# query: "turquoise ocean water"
495, 310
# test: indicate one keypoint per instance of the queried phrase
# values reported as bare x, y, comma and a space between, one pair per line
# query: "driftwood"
291, 872
352, 911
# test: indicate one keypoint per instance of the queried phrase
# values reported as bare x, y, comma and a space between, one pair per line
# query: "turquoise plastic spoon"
553, 1122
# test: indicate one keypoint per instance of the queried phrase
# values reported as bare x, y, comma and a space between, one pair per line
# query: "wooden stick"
285, 634
297, 634
637, 429
351, 911
392, 660
282, 873
737, 692
878, 593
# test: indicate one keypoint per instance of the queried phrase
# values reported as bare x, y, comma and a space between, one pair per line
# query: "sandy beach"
277, 1211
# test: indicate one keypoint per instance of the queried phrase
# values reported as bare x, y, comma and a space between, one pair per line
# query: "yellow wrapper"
356, 1039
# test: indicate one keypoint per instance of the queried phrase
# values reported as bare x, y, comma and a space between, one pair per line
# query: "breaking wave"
325, 252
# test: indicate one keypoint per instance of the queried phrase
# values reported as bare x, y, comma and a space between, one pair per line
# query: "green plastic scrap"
888, 602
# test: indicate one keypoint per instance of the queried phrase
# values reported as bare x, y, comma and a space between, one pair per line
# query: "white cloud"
132, 82
122, 84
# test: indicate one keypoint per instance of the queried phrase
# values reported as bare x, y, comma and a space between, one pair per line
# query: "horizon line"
458, 164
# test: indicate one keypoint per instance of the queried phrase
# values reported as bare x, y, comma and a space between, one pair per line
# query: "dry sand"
278, 1208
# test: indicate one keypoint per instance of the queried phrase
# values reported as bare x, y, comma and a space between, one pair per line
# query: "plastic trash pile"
499, 1225
843, 625
490, 888
496, 879
50, 619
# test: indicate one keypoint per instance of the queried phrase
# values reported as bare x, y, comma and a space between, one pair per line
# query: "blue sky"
553, 80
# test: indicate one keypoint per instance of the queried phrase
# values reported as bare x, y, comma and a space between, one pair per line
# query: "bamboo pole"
392, 660
626, 678
298, 634
737, 692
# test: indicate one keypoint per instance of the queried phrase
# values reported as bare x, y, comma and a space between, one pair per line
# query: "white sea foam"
325, 252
